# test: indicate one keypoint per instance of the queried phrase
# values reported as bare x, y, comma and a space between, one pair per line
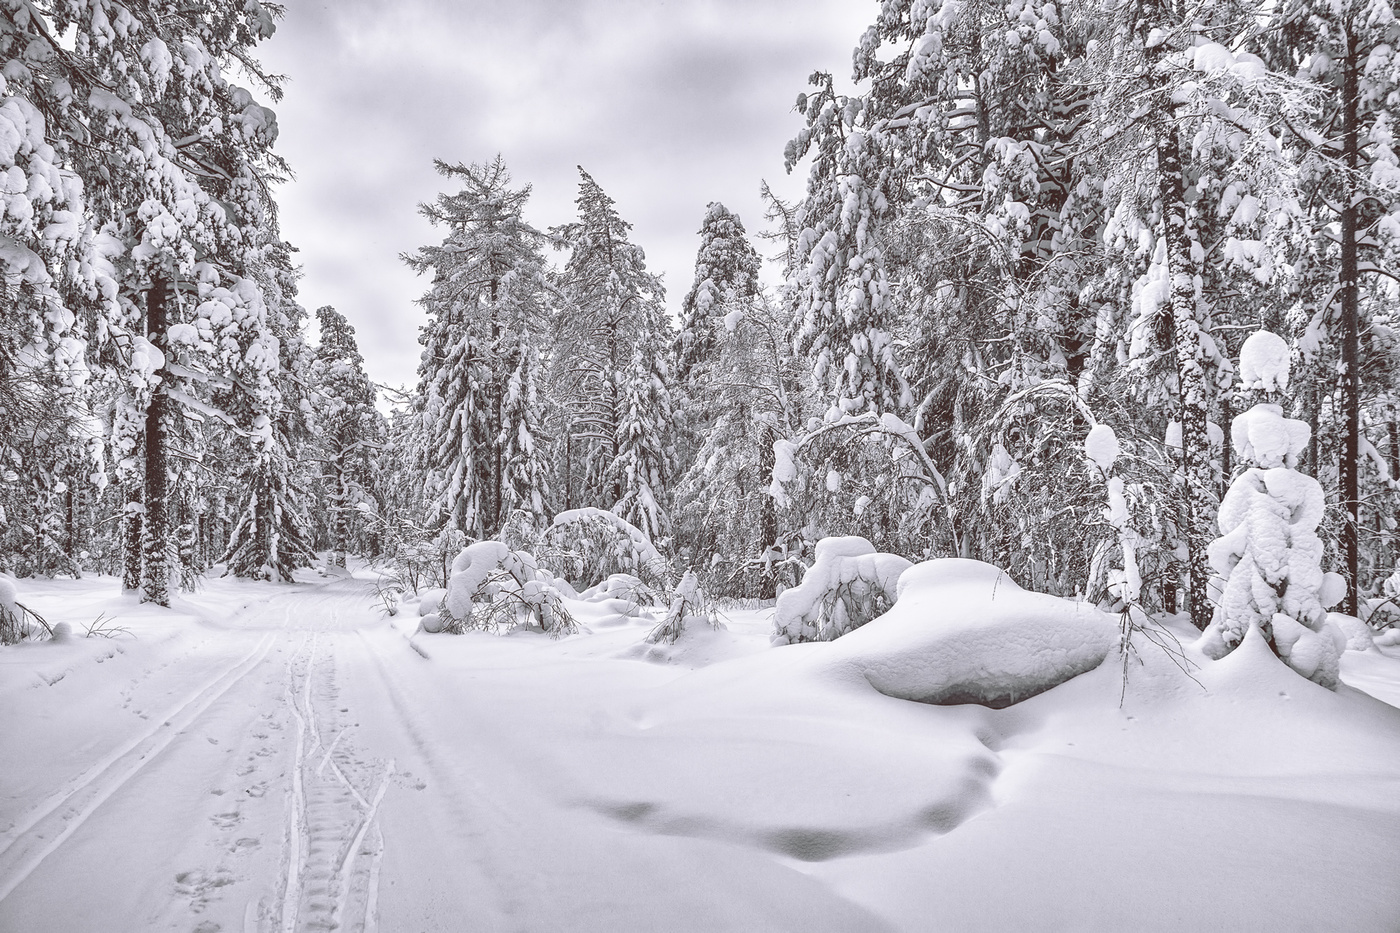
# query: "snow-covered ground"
276, 758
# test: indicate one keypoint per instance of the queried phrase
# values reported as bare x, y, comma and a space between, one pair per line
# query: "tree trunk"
1197, 500
132, 523
1351, 378
155, 556
340, 521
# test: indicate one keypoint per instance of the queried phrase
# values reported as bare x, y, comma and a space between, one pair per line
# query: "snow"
273, 756
1264, 362
1101, 447
1268, 558
848, 584
962, 631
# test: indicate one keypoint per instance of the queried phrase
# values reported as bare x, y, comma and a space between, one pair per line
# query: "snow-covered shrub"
688, 605
13, 626
628, 588
849, 584
1268, 555
1123, 585
492, 587
588, 545
863, 475
1358, 634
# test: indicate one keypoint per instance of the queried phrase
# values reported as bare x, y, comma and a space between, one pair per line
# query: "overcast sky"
668, 105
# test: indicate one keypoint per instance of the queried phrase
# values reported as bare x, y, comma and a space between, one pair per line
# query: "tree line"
1021, 220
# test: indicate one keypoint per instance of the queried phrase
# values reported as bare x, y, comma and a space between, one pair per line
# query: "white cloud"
668, 105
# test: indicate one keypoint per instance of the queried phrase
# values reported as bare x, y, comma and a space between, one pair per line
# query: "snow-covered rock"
962, 631
847, 585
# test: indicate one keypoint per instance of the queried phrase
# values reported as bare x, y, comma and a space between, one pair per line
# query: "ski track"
46, 827
326, 886
332, 843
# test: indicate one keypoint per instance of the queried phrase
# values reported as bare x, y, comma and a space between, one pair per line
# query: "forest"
1001, 535
1025, 224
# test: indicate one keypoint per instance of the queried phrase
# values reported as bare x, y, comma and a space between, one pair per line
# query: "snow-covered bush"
13, 626
849, 584
1123, 585
492, 587
1268, 556
688, 605
628, 588
588, 545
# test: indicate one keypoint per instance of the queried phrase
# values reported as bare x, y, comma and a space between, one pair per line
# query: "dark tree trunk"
1351, 377
155, 556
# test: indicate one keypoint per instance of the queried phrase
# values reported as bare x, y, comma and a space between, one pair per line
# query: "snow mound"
1101, 446
430, 601
13, 625
848, 585
1357, 633
962, 631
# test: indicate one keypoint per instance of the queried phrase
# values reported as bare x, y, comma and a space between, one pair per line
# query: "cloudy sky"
669, 105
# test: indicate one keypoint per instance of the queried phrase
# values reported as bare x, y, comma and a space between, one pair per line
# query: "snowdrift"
962, 631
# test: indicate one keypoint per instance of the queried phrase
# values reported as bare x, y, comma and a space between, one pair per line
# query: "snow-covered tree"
752, 393
348, 431
488, 292
726, 276
610, 378
1269, 557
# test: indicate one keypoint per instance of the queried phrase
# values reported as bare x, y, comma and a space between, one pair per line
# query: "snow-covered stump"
849, 584
1268, 557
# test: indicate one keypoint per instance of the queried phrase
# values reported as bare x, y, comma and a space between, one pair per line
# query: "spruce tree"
726, 265
348, 432
488, 291
611, 379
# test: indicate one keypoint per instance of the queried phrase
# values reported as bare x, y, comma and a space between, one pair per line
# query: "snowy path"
288, 770
293, 763
237, 787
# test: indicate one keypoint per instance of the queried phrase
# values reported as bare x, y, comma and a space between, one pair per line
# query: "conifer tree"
725, 265
487, 291
348, 431
610, 376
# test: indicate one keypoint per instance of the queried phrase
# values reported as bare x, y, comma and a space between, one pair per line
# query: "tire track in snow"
37, 834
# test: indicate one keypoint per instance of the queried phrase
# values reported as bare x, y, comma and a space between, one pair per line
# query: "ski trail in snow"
175, 722
77, 785
372, 898
321, 769
296, 860
348, 861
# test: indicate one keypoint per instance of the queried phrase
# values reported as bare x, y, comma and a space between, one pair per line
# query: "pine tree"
348, 431
173, 161
1348, 163
271, 536
726, 265
488, 290
610, 378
